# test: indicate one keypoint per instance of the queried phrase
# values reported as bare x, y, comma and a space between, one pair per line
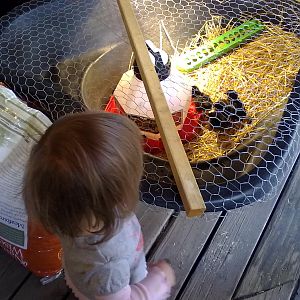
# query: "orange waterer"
43, 254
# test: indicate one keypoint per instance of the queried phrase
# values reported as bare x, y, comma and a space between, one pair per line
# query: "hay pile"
261, 71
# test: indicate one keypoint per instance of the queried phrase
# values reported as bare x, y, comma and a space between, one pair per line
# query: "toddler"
82, 183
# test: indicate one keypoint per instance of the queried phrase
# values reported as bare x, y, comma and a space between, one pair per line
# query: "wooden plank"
182, 171
33, 289
12, 275
282, 292
183, 243
277, 258
153, 219
224, 262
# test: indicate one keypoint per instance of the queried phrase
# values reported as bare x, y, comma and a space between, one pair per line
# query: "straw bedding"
262, 71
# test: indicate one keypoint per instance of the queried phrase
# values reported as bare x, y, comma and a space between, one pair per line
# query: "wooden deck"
248, 253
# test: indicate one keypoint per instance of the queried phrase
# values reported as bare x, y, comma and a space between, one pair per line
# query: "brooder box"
65, 56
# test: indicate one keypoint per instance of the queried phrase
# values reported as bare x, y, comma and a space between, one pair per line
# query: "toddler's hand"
166, 268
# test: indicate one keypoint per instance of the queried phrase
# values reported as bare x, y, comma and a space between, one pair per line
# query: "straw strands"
262, 71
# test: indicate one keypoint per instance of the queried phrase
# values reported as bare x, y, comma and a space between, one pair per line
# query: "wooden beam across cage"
181, 168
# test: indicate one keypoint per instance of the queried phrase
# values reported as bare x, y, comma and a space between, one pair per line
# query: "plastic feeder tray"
196, 58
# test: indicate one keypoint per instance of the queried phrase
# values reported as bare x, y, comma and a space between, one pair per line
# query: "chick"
202, 102
240, 112
219, 122
229, 115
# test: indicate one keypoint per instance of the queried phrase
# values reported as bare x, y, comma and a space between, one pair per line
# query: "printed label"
13, 251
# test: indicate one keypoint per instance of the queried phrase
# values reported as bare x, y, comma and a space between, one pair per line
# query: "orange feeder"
130, 98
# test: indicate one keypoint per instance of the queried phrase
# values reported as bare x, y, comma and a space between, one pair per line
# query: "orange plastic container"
43, 253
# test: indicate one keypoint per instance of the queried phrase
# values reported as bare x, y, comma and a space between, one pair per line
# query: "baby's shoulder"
120, 246
123, 242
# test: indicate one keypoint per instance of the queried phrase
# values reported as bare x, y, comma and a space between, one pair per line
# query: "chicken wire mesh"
229, 70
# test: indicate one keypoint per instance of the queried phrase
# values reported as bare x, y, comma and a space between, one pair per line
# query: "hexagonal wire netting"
230, 79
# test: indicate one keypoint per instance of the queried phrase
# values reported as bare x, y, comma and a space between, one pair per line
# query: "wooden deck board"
153, 219
183, 243
33, 289
282, 292
277, 259
12, 275
223, 263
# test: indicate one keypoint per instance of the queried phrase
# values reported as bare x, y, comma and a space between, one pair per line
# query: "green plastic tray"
196, 58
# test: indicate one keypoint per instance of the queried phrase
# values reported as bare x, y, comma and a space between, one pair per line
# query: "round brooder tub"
60, 55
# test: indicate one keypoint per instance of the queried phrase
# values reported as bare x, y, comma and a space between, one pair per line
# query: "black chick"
220, 106
228, 116
241, 114
218, 121
201, 100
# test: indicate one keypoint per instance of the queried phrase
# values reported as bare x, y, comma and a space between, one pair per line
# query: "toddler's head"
84, 174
